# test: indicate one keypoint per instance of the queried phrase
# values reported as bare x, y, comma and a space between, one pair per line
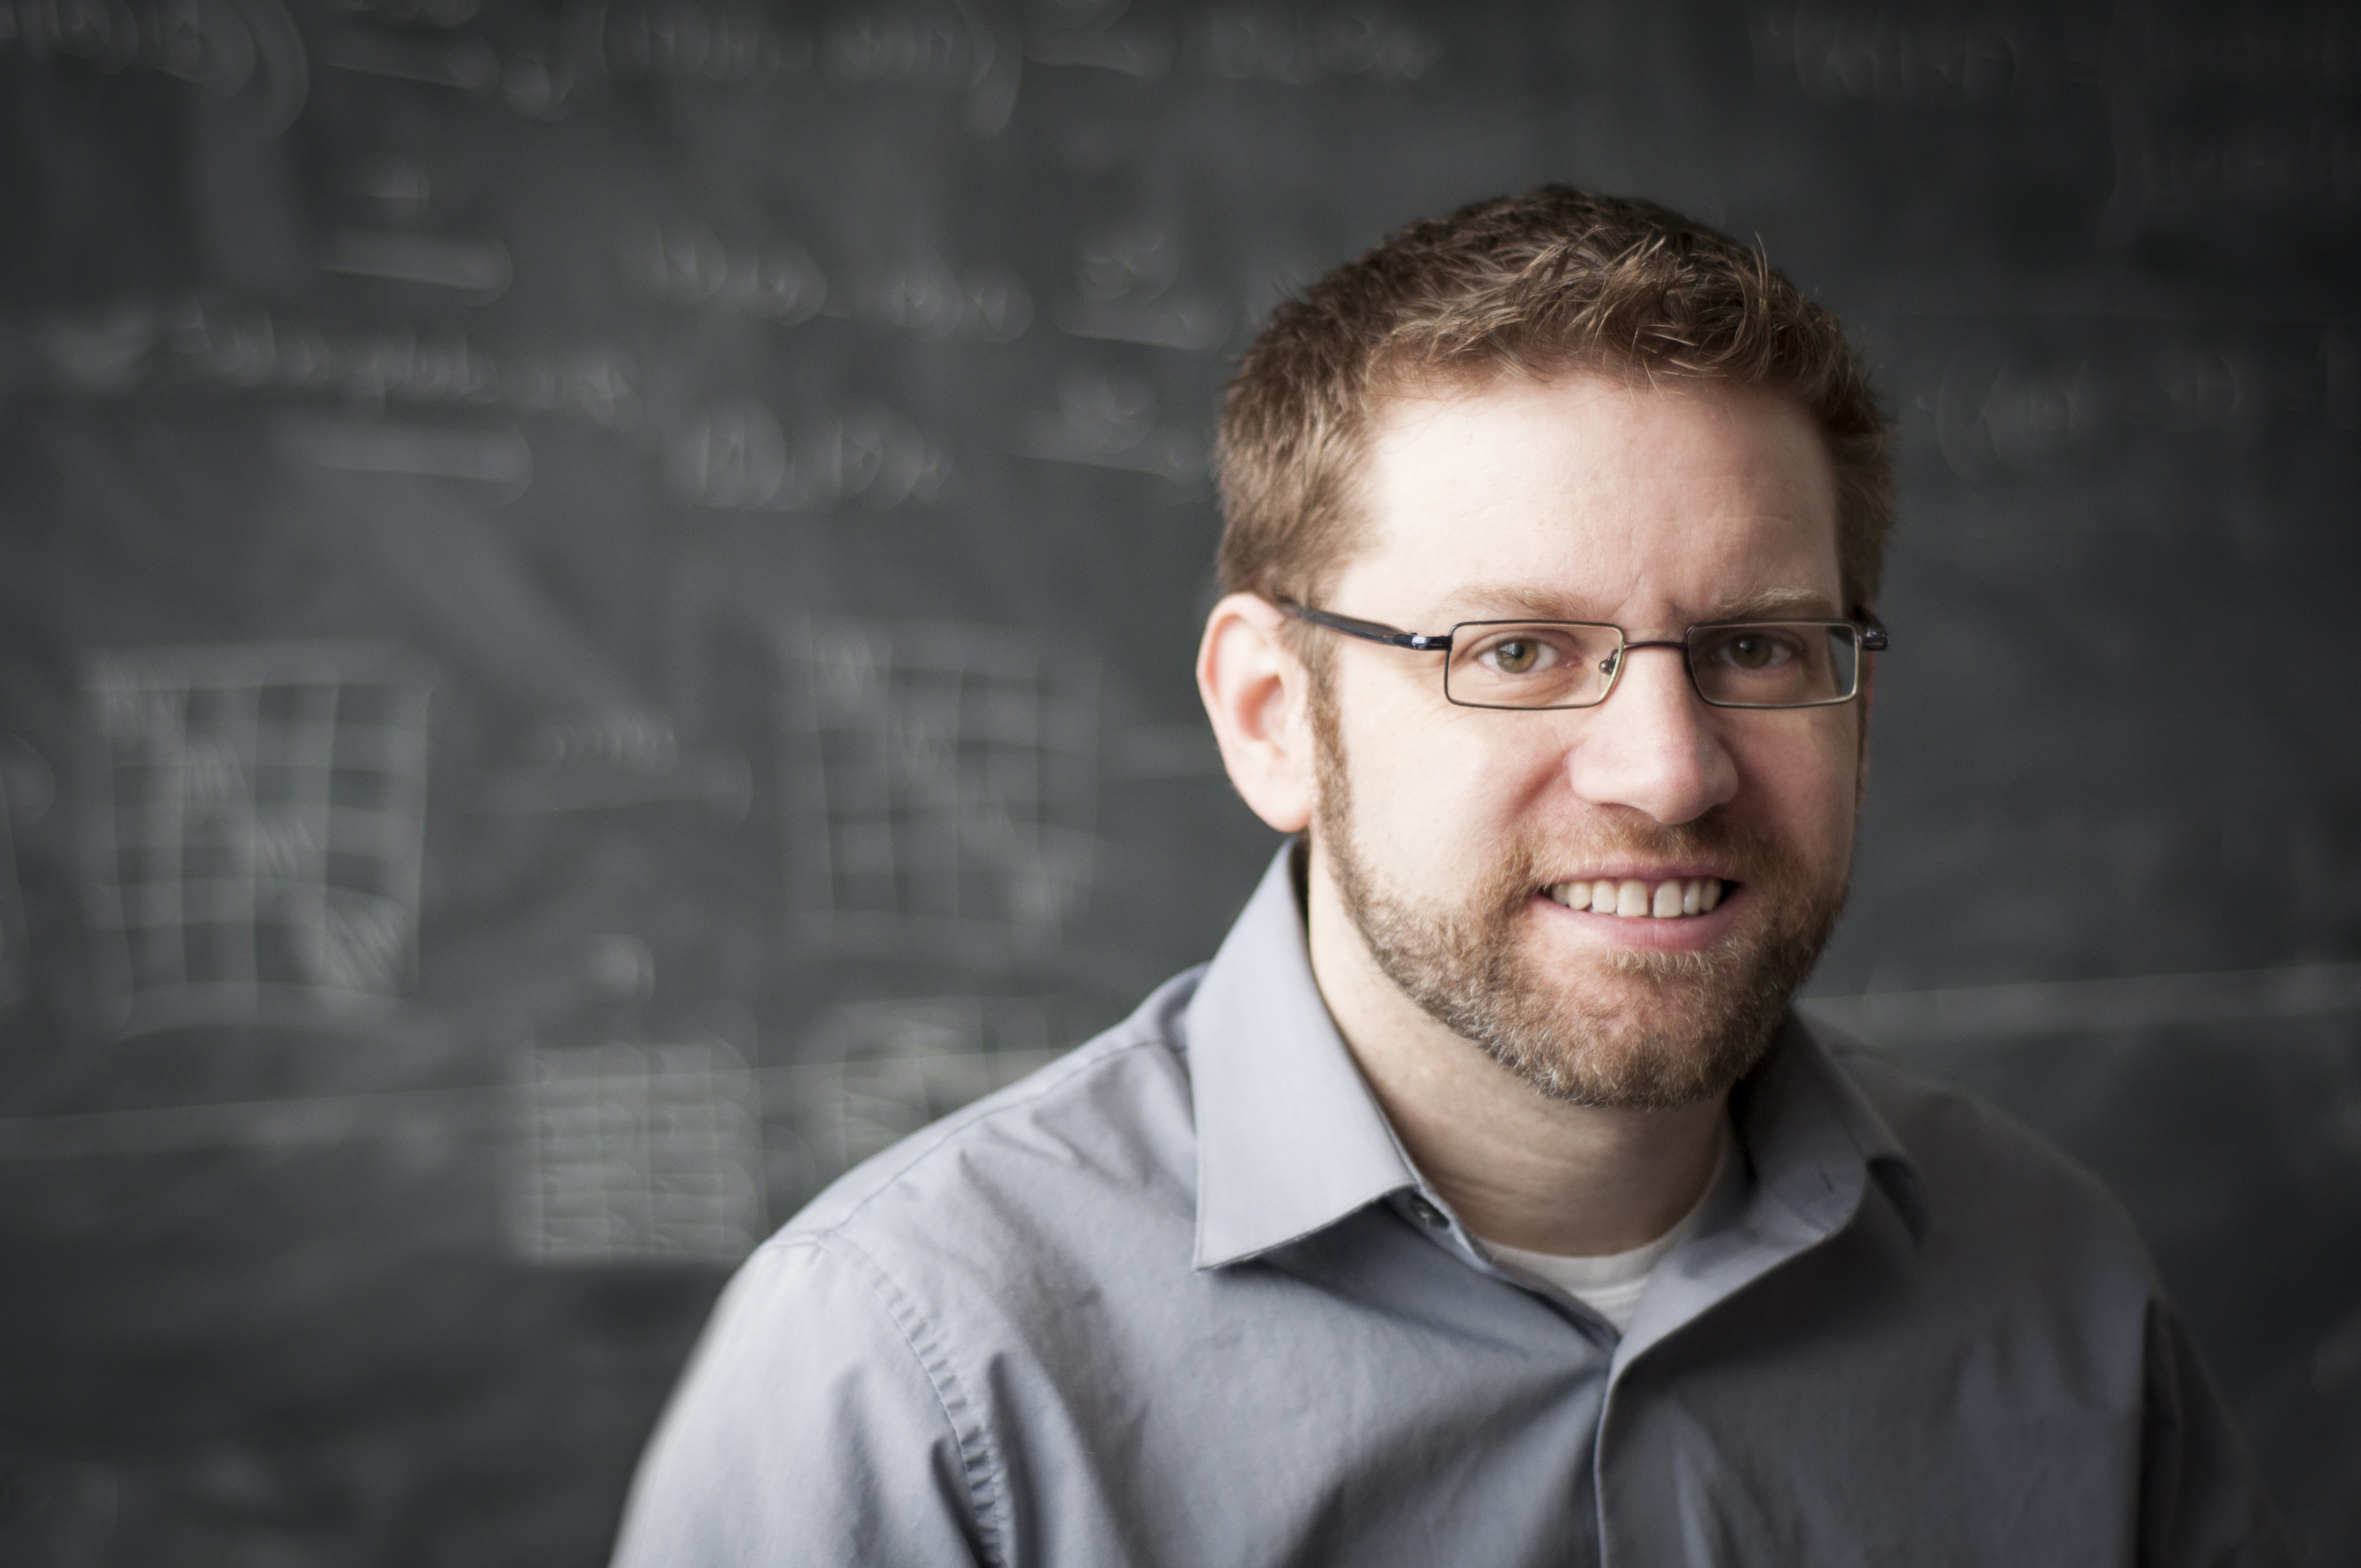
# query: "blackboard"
597, 604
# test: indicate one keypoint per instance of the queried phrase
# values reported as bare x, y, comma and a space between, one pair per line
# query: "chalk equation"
1960, 56
498, 458
940, 788
1109, 420
2050, 408
1299, 45
197, 340
686, 263
737, 458
476, 271
591, 47
244, 57
610, 760
639, 1153
1124, 275
2170, 170
2206, 112
964, 54
255, 822
871, 1073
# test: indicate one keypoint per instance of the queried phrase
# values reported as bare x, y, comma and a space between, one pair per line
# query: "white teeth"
1633, 899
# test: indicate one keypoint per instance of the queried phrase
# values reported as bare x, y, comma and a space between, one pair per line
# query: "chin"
1659, 1034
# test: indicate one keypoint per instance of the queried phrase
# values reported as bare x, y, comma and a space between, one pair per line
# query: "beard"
1645, 1030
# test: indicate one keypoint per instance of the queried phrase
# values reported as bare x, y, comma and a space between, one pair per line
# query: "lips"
1631, 898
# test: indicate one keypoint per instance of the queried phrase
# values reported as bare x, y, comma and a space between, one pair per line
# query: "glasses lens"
1529, 663
1775, 663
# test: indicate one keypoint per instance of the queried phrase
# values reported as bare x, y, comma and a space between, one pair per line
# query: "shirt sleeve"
2202, 1505
809, 1428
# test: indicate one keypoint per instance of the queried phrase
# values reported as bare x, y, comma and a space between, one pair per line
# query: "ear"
1256, 692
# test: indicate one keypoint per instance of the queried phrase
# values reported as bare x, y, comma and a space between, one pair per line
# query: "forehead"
1595, 495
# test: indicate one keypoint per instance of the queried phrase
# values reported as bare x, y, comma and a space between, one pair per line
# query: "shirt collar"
1289, 1140
1802, 1115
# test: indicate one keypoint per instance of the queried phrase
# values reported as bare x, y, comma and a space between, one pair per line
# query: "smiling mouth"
1632, 899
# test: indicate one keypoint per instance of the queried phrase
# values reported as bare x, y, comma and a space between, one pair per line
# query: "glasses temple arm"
1373, 630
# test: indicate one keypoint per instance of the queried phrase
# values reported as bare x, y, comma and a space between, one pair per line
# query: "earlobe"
1254, 687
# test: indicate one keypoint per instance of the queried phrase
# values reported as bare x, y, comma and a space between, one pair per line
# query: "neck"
1518, 1167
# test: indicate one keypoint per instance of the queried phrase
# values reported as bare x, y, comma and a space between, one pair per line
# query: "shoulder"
1052, 1161
1989, 1184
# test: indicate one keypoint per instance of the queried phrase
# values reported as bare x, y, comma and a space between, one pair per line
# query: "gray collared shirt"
1181, 1299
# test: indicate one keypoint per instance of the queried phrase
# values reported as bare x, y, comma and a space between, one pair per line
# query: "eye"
1755, 649
1517, 655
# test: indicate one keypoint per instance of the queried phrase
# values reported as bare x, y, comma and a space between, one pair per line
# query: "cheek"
1805, 787
1426, 786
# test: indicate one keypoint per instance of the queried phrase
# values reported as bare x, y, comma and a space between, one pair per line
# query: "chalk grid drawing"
874, 1072
640, 1153
256, 821
941, 788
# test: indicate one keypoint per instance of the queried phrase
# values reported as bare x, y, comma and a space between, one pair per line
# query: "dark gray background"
721, 489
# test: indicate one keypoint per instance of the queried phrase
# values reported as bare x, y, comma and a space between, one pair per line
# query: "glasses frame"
1869, 637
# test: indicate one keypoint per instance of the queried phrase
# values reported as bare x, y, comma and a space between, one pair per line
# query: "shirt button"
1428, 1214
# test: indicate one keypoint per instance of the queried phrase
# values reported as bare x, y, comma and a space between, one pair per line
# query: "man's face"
1445, 828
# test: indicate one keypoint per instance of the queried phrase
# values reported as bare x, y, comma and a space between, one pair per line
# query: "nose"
1652, 746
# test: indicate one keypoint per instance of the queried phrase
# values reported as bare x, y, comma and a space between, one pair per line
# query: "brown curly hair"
1556, 280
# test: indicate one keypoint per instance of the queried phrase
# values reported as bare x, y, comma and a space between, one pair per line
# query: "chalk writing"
2207, 114
2038, 411
2165, 171
245, 54
875, 1072
610, 761
1298, 46
408, 13
1124, 275
925, 298
736, 458
476, 269
1876, 55
500, 458
686, 264
136, 346
1088, 32
942, 787
255, 826
647, 1153
1109, 421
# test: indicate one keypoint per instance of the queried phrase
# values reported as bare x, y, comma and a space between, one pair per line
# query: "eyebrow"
1511, 601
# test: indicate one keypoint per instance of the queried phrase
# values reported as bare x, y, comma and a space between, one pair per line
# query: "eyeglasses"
1574, 664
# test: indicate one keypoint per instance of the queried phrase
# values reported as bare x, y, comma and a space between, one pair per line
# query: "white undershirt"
1611, 1284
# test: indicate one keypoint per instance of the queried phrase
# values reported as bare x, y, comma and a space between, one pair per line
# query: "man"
1482, 1203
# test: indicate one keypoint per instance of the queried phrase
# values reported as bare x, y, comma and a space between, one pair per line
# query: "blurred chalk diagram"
256, 823
875, 1072
940, 789
639, 1151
